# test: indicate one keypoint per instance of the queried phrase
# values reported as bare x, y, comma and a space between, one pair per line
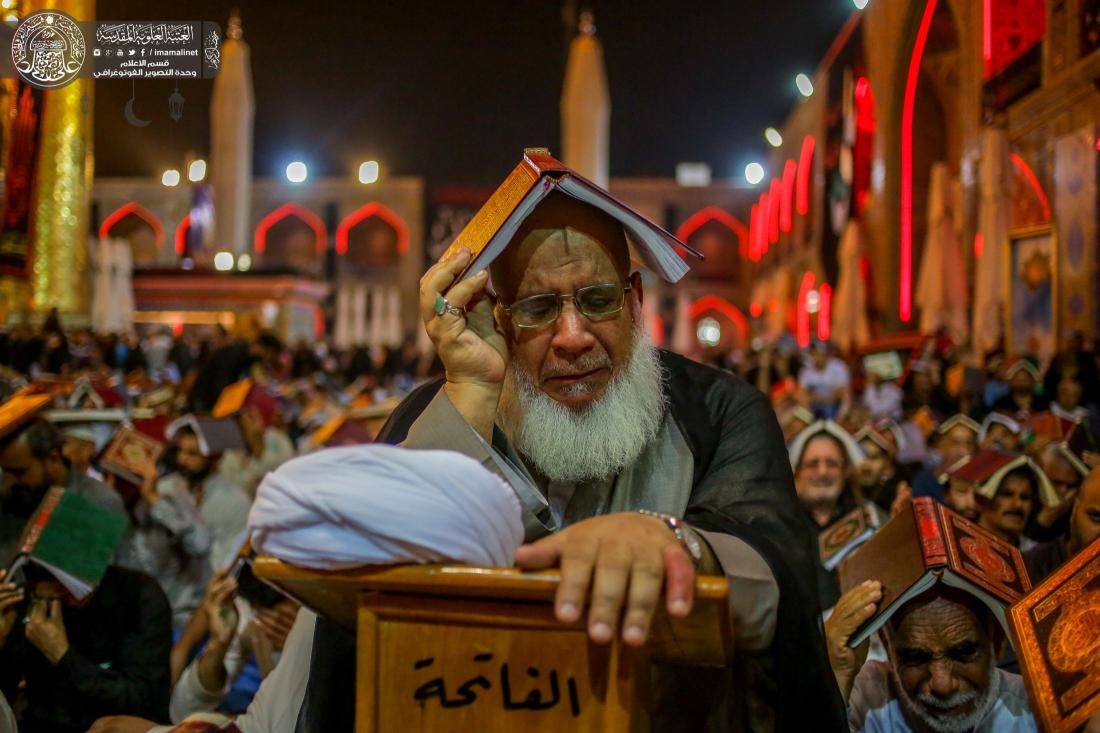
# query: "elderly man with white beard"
637, 469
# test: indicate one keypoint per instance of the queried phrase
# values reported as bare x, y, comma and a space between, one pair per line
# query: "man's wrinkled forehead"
561, 231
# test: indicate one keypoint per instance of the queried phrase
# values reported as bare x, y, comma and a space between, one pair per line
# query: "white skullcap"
382, 505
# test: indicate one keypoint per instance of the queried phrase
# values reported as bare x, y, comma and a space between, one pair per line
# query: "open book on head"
72, 538
927, 543
538, 175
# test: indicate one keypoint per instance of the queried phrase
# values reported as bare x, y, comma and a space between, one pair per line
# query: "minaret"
231, 111
586, 106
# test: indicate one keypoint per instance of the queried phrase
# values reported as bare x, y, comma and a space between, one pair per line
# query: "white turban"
381, 505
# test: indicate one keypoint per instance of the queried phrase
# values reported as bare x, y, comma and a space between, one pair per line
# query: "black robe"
732, 433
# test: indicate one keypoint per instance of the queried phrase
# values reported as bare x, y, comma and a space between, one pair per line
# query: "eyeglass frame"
561, 297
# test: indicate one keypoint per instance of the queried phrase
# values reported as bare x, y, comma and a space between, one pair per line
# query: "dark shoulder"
404, 415
689, 380
132, 586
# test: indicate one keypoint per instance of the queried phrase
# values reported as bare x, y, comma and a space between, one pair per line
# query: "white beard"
928, 708
597, 441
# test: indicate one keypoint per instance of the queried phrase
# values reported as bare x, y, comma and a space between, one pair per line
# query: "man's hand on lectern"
610, 559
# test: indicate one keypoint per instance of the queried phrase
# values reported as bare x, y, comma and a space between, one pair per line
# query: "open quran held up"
927, 543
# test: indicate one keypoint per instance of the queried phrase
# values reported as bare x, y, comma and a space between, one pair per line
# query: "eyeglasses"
598, 302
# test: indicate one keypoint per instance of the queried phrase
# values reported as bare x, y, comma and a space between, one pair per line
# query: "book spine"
41, 519
930, 532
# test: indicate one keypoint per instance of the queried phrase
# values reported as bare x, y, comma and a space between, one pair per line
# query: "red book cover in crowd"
928, 543
1056, 632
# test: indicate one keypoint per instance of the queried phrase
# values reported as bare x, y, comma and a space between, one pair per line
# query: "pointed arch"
132, 207
366, 211
292, 208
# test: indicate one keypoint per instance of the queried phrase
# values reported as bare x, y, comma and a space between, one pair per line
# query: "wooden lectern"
458, 648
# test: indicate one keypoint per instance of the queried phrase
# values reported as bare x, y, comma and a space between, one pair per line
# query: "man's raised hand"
617, 563
472, 349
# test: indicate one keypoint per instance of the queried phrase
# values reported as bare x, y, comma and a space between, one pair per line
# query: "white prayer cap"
382, 505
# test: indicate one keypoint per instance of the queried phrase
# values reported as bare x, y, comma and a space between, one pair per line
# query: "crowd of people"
169, 634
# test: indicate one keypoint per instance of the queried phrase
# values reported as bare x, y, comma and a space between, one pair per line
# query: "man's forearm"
476, 403
211, 666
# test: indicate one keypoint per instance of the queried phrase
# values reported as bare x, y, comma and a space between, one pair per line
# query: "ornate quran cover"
537, 175
130, 454
928, 543
72, 538
1056, 632
844, 535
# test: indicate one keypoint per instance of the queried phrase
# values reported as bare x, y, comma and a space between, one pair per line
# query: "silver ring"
442, 305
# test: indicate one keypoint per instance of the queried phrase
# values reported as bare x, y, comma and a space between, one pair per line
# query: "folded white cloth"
381, 505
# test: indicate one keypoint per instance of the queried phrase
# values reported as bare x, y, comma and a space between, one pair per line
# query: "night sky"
453, 91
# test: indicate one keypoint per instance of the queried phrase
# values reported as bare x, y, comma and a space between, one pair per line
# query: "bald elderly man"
637, 470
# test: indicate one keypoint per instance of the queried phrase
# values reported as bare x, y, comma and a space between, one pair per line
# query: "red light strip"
762, 229
824, 314
805, 164
259, 240
1029, 174
905, 296
786, 202
140, 212
754, 223
756, 309
181, 234
979, 244
987, 35
775, 194
365, 212
802, 315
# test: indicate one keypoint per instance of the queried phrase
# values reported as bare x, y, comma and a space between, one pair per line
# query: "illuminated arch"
713, 213
140, 212
259, 240
389, 216
726, 308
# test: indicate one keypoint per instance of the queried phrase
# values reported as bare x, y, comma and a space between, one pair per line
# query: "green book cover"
72, 538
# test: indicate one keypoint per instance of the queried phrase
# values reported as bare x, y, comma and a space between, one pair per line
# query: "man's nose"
571, 334
942, 681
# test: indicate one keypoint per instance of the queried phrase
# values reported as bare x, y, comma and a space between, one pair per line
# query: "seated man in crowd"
267, 446
1053, 522
999, 432
954, 440
1084, 527
554, 384
962, 496
825, 384
74, 661
941, 674
32, 461
245, 621
823, 467
878, 474
187, 523
1007, 513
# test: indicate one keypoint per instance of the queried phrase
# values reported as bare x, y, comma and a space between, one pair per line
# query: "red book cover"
1056, 632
